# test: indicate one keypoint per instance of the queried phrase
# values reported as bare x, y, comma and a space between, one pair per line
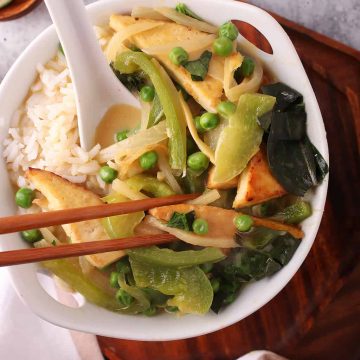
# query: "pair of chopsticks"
34, 221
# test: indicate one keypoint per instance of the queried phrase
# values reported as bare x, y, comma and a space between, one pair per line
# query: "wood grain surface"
282, 325
17, 8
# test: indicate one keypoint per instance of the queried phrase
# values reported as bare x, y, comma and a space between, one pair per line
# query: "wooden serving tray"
334, 71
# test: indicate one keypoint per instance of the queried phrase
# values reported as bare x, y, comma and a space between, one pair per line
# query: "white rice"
43, 133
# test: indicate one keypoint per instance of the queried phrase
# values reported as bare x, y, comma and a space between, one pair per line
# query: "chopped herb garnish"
183, 9
199, 68
182, 221
53, 243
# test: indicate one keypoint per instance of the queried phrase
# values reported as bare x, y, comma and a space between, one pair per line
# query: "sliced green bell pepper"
128, 62
120, 226
151, 185
167, 257
192, 290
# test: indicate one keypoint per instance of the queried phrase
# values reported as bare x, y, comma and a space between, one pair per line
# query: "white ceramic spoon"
96, 87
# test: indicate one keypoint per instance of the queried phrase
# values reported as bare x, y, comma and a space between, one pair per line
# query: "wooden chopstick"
16, 223
24, 256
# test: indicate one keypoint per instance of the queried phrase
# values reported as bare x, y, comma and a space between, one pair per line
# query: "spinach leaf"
322, 168
182, 221
132, 82
156, 112
292, 163
199, 68
285, 95
283, 248
183, 9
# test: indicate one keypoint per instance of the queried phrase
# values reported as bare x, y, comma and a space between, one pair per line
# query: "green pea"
200, 227
243, 222
148, 160
226, 108
215, 283
198, 126
247, 66
228, 30
124, 298
147, 93
207, 267
171, 309
122, 135
24, 197
198, 161
178, 56
31, 236
151, 311
209, 121
113, 280
223, 46
108, 174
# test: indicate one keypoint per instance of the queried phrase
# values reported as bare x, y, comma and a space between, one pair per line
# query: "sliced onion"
124, 189
250, 84
211, 137
154, 135
147, 13
145, 112
192, 128
49, 236
192, 238
206, 198
192, 45
216, 68
165, 169
182, 19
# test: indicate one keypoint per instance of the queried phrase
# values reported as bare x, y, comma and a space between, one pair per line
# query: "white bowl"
284, 64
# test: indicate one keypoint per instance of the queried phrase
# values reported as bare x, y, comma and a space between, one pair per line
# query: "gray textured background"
339, 19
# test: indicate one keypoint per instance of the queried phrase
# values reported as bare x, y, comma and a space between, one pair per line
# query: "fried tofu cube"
62, 194
256, 183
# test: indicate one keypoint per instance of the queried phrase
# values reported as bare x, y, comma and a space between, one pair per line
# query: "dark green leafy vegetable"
133, 82
264, 121
246, 264
199, 68
290, 125
183, 9
322, 168
285, 95
291, 162
182, 221
283, 248
184, 93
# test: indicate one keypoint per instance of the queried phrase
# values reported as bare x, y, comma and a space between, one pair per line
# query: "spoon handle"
96, 87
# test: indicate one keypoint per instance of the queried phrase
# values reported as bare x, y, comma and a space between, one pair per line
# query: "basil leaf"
132, 82
199, 68
182, 221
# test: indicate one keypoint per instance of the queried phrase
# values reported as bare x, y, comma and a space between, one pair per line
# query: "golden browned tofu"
207, 93
62, 194
212, 184
220, 221
256, 183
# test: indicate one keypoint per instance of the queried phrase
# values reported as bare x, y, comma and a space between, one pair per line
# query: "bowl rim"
71, 318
